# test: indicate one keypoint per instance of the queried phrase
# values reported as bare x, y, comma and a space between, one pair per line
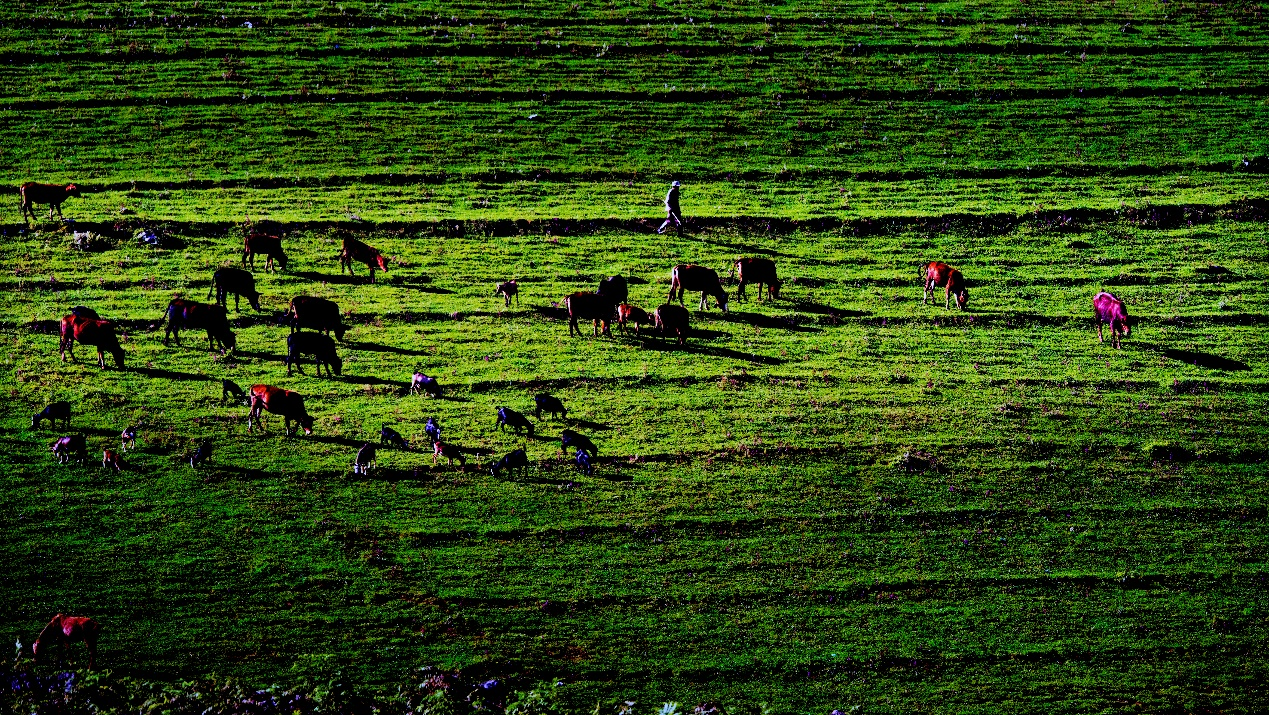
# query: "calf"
365, 460
674, 319
110, 458
596, 308
614, 288
432, 429
512, 461
288, 404
757, 271
569, 438
321, 347
627, 313
237, 281
392, 438
71, 447
354, 250
941, 275
549, 404
60, 410
128, 437
583, 461
508, 291
63, 631
1111, 310
201, 454
317, 314
508, 417
230, 390
448, 451
265, 245
187, 315
687, 277
423, 383
95, 333
51, 194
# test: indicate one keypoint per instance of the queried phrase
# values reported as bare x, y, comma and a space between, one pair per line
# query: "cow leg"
101, 358
1100, 339
947, 296
925, 298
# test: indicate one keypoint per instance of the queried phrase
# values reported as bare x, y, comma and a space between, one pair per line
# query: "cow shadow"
587, 424
377, 348
822, 309
769, 321
1207, 360
339, 279
263, 357
669, 346
371, 380
171, 374
342, 441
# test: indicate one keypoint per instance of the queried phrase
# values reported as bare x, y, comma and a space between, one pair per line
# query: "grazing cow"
941, 275
265, 245
229, 390
237, 281
614, 288
365, 461
671, 318
95, 333
321, 347
569, 438
110, 458
288, 404
448, 451
187, 315
547, 403
508, 417
201, 454
82, 311
51, 194
1109, 309
64, 630
596, 308
423, 383
60, 410
392, 438
583, 461
687, 277
508, 291
354, 250
757, 271
317, 314
128, 437
71, 447
432, 429
512, 461
627, 313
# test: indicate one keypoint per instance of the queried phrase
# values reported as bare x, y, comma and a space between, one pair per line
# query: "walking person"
672, 212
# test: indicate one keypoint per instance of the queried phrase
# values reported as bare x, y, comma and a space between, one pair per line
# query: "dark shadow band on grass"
171, 374
668, 346
377, 348
772, 322
1207, 360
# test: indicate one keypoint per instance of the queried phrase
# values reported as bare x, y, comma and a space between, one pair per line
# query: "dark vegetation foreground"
840, 498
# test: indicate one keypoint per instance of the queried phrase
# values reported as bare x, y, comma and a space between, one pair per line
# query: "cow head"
228, 341
382, 260
254, 299
339, 332
721, 299
1121, 325
281, 259
306, 421
72, 190
962, 297
117, 353
773, 288
337, 363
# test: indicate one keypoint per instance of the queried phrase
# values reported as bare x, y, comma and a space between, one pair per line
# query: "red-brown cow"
290, 405
757, 271
265, 245
1110, 310
64, 630
71, 448
941, 275
187, 315
672, 318
94, 333
51, 194
585, 305
110, 458
627, 313
354, 250
688, 277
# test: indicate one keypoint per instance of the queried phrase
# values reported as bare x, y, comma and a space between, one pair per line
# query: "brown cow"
280, 402
450, 452
70, 448
110, 458
51, 194
265, 245
64, 630
95, 333
596, 308
186, 314
941, 275
354, 250
508, 291
688, 277
318, 314
237, 281
627, 313
1110, 310
757, 271
672, 318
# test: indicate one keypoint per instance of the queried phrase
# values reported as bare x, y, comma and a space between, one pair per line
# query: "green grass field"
1087, 533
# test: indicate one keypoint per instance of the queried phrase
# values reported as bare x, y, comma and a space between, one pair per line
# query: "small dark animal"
288, 404
687, 277
589, 306
508, 291
321, 347
674, 319
237, 281
201, 454
265, 245
60, 410
941, 275
1111, 310
583, 461
128, 437
354, 250
95, 333
317, 314
64, 630
508, 417
547, 403
629, 314
51, 194
512, 461
448, 451
757, 271
70, 448
571, 439
614, 288
423, 383
392, 438
110, 458
187, 315
365, 461
432, 429
81, 311
229, 390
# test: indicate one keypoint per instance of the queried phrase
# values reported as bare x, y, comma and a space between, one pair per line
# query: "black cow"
321, 347
423, 383
614, 288
237, 281
432, 429
512, 461
266, 245
60, 410
51, 194
550, 404
569, 438
71, 447
392, 438
201, 454
508, 417
230, 390
583, 461
317, 314
187, 315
